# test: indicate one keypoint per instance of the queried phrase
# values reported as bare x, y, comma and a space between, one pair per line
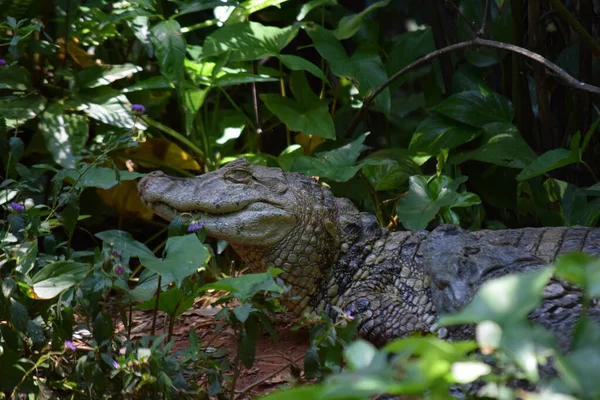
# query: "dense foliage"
95, 93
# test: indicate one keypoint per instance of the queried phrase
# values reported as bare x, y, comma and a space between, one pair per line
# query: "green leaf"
18, 110
65, 134
174, 302
360, 354
18, 315
314, 392
243, 311
337, 165
501, 144
408, 47
101, 177
311, 5
101, 75
436, 133
124, 242
154, 83
15, 77
350, 24
296, 63
548, 161
57, 277
247, 286
505, 300
306, 113
390, 168
365, 65
240, 78
70, 214
107, 106
170, 47
476, 109
468, 371
424, 200
16, 147
247, 349
580, 269
580, 368
248, 41
185, 255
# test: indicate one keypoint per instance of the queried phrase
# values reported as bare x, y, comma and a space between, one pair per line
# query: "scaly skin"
339, 259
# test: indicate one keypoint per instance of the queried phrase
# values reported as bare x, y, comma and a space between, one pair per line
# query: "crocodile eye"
238, 176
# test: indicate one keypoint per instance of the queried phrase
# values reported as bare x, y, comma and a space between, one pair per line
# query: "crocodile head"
240, 203
270, 217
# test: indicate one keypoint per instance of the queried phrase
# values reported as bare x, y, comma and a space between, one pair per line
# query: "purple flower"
116, 253
2, 62
349, 315
195, 226
16, 207
70, 345
138, 109
119, 269
115, 365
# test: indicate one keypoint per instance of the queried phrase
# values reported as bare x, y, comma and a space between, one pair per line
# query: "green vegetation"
94, 94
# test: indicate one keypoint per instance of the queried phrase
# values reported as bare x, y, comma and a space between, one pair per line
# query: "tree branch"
477, 42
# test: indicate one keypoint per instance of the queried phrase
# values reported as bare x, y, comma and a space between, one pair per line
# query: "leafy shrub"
93, 92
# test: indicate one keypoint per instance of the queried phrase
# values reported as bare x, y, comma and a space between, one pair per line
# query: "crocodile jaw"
245, 222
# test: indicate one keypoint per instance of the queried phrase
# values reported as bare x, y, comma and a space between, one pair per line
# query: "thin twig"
459, 12
486, 11
267, 377
477, 42
255, 99
153, 329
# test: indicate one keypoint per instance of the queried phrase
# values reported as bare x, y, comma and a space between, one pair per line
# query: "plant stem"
154, 316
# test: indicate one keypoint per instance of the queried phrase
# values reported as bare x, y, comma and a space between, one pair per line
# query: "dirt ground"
274, 362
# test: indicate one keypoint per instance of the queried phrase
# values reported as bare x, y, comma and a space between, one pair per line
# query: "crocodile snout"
143, 183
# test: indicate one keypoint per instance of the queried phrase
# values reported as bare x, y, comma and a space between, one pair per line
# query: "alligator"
338, 259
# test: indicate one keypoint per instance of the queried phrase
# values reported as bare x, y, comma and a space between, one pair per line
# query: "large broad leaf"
548, 161
365, 65
501, 144
169, 45
436, 133
155, 83
248, 41
104, 75
17, 110
505, 300
305, 113
407, 48
57, 277
185, 255
296, 63
311, 5
350, 24
64, 134
15, 77
476, 108
390, 168
101, 177
108, 106
174, 302
124, 242
424, 200
246, 286
338, 165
